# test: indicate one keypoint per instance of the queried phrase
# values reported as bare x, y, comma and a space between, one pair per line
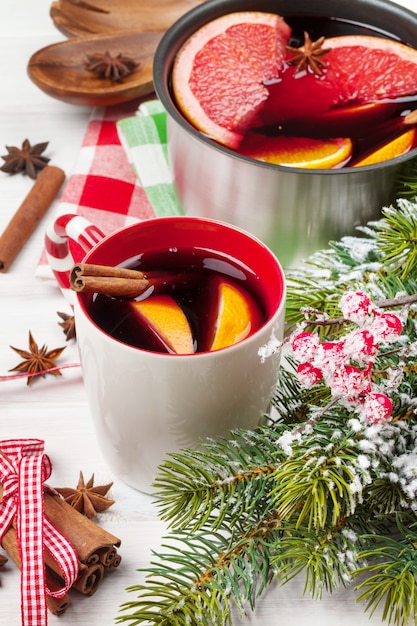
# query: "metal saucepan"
294, 211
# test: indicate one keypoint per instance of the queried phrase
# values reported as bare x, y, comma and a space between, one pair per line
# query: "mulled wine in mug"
183, 359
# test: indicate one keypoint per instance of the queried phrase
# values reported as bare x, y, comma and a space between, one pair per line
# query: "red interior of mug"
164, 233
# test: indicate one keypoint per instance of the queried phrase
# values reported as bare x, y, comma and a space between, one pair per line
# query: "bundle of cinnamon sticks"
95, 547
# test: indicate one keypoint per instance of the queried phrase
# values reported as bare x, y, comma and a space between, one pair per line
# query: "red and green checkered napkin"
144, 137
115, 181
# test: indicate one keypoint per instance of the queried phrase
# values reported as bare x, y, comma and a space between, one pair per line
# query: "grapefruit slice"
231, 312
359, 69
366, 68
302, 152
218, 74
166, 321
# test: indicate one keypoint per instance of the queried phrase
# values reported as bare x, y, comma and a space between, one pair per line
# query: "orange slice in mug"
232, 314
167, 322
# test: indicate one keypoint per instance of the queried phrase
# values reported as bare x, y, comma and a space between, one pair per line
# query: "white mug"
147, 404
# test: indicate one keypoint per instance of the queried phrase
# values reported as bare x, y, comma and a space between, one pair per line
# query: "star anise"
3, 560
309, 55
68, 325
37, 361
86, 498
27, 159
107, 66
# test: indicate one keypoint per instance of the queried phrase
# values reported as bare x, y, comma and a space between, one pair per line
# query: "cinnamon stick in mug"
112, 286
114, 281
123, 282
29, 214
91, 269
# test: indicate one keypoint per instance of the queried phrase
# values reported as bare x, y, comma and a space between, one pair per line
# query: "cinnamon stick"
127, 283
89, 540
115, 562
57, 606
122, 287
89, 580
108, 557
29, 214
90, 269
95, 547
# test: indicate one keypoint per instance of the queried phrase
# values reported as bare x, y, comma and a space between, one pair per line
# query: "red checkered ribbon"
23, 469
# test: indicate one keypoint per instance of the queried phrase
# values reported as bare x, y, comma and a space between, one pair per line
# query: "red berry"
330, 356
355, 306
333, 349
349, 381
386, 326
304, 346
377, 407
308, 375
360, 346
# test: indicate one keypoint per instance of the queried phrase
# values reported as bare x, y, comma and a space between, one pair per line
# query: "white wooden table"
55, 409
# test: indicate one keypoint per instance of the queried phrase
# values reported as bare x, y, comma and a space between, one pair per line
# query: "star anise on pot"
86, 498
27, 159
37, 360
104, 65
68, 325
309, 55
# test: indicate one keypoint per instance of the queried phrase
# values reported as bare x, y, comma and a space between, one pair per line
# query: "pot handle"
60, 233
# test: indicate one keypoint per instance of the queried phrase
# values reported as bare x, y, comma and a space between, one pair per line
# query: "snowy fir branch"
327, 487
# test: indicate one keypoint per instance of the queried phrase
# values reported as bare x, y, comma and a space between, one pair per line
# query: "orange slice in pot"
400, 145
304, 152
